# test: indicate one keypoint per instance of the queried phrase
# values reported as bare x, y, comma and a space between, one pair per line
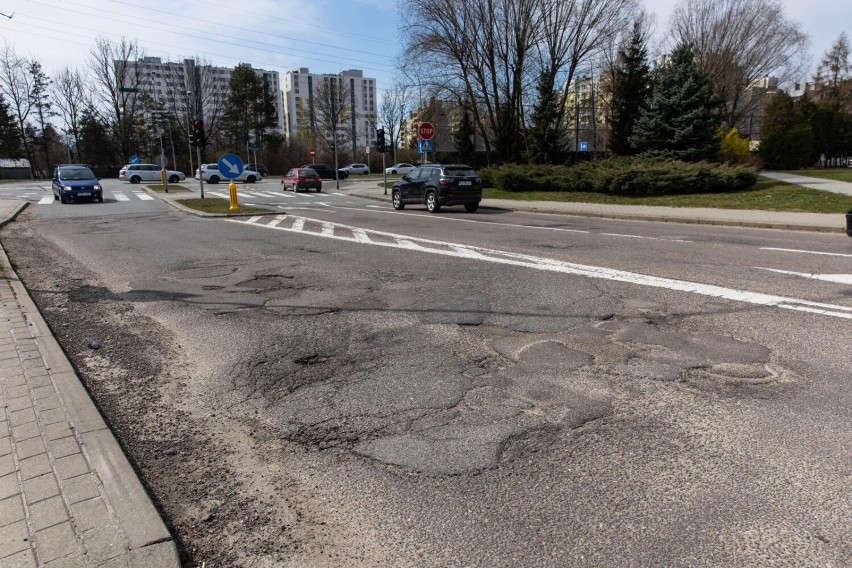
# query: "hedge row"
623, 176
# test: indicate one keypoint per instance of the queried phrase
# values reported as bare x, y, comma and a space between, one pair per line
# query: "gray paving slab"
68, 495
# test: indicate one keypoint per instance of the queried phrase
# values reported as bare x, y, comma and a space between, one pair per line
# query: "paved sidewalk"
68, 495
825, 222
821, 184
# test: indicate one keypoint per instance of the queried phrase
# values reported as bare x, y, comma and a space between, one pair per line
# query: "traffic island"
219, 206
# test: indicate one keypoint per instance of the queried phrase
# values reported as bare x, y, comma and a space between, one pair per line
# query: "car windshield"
307, 172
459, 172
76, 174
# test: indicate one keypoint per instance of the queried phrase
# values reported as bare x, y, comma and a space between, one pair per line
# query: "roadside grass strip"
339, 231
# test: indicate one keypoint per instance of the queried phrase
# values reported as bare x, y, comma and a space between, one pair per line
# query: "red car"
301, 178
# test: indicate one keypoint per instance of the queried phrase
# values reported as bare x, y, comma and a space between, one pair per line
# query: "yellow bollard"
232, 193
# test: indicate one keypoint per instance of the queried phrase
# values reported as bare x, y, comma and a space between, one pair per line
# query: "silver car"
136, 173
357, 169
210, 174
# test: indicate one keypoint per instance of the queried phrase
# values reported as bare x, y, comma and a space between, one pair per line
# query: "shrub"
623, 176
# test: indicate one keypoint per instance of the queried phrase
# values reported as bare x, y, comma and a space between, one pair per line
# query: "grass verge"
766, 195
162, 189
218, 205
837, 174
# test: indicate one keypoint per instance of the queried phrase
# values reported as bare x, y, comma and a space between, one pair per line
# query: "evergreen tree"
546, 138
463, 136
683, 114
10, 136
42, 110
786, 139
631, 90
96, 148
250, 108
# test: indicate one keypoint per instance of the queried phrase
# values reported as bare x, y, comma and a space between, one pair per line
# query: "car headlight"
67, 188
97, 186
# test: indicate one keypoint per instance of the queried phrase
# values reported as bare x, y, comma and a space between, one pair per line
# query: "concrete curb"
149, 540
173, 203
12, 215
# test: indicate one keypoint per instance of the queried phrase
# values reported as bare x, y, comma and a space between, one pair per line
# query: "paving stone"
22, 559
5, 445
48, 402
57, 430
9, 486
41, 488
16, 391
4, 427
29, 448
18, 404
53, 416
10, 379
64, 447
34, 466
22, 417
14, 538
80, 488
55, 542
43, 392
90, 514
104, 542
71, 561
71, 466
7, 464
41, 379
47, 513
161, 555
122, 561
10, 364
11, 510
26, 431
29, 364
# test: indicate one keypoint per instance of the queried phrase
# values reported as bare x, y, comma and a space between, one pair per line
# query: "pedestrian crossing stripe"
120, 197
45, 200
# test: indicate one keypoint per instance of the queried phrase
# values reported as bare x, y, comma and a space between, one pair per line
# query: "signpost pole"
200, 172
385, 173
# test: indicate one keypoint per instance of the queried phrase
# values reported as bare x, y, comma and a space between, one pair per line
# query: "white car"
210, 173
135, 173
357, 169
399, 169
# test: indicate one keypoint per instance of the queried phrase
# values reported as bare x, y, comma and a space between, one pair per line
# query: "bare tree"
329, 108
834, 67
393, 108
738, 42
192, 94
69, 94
15, 87
117, 81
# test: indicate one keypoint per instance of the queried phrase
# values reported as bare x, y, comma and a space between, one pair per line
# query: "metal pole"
200, 173
385, 173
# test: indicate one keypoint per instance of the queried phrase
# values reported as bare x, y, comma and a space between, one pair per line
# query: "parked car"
76, 181
135, 173
402, 168
210, 174
259, 168
356, 169
436, 185
301, 178
326, 171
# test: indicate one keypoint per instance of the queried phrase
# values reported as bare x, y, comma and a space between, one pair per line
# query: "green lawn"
837, 174
172, 188
767, 195
218, 205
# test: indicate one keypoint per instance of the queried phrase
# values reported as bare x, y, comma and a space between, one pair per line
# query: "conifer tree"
546, 137
786, 138
631, 90
683, 114
10, 136
463, 136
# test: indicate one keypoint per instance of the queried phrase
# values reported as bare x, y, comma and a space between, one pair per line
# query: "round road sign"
426, 131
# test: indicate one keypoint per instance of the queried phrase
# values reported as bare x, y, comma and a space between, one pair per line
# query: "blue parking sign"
584, 146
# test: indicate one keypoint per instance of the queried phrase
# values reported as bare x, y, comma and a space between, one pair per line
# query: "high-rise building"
359, 116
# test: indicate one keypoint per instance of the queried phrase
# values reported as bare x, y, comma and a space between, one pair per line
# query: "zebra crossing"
115, 195
301, 198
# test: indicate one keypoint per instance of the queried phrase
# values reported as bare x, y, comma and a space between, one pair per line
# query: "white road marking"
808, 251
253, 194
269, 193
255, 219
350, 233
120, 197
143, 196
45, 201
218, 194
643, 237
839, 278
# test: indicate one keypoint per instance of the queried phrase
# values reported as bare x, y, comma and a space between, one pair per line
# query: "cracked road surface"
292, 400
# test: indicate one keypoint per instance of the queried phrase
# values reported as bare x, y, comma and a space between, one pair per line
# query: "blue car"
76, 182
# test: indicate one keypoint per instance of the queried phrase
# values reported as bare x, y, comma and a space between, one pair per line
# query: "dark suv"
326, 172
436, 185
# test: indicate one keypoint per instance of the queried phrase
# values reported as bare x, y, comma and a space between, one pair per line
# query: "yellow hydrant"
232, 193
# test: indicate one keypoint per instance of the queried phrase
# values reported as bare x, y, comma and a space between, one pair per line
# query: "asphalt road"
337, 383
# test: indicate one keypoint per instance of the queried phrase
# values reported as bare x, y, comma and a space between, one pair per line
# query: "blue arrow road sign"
424, 146
584, 146
134, 159
230, 166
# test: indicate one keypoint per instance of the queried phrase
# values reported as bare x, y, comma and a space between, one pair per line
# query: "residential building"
585, 115
359, 115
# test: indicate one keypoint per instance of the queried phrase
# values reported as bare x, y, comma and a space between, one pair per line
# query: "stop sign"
426, 131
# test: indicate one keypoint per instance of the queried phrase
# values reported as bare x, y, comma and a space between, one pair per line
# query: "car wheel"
174, 179
393, 171
55, 197
135, 179
319, 189
432, 205
214, 179
471, 207
100, 199
62, 199
397, 201
251, 179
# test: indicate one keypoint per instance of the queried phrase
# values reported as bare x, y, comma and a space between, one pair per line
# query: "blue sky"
325, 36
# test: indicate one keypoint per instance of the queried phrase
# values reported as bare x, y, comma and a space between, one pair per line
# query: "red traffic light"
198, 124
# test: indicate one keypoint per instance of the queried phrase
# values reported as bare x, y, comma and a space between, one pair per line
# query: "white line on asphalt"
340, 194
643, 237
839, 278
45, 200
808, 251
552, 265
120, 197
252, 220
218, 194
143, 196
269, 193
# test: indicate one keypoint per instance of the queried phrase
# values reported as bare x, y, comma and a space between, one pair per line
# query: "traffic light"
197, 136
380, 140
